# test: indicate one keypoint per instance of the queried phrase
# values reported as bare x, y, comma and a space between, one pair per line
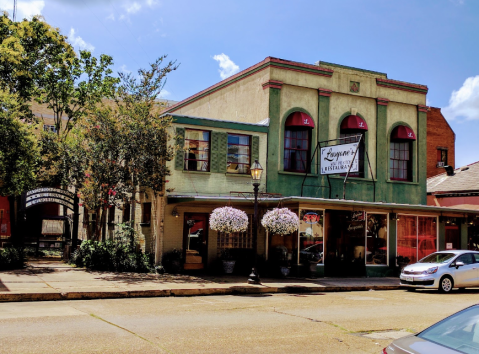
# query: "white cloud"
78, 42
124, 69
164, 93
132, 8
25, 9
464, 102
227, 66
151, 3
111, 17
428, 102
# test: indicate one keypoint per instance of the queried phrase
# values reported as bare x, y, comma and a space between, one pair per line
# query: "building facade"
441, 142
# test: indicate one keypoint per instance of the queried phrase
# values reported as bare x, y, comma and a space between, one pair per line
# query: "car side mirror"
459, 264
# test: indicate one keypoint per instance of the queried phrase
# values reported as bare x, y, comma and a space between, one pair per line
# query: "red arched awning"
402, 132
299, 119
354, 122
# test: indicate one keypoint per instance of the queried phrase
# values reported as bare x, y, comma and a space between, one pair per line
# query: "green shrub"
120, 255
12, 257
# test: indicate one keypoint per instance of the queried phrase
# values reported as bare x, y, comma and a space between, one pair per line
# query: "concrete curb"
234, 290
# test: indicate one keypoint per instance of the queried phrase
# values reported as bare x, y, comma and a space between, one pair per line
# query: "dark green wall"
289, 184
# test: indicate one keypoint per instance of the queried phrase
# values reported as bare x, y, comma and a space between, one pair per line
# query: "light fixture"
256, 171
175, 212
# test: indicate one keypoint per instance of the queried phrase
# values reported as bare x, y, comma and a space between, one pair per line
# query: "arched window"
400, 158
297, 142
350, 128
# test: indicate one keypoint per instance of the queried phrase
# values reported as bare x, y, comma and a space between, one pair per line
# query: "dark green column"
382, 158
442, 236
422, 151
274, 88
463, 235
323, 130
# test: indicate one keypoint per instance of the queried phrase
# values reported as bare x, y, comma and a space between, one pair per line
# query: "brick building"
440, 143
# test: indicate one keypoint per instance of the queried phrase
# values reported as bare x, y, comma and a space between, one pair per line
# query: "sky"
429, 42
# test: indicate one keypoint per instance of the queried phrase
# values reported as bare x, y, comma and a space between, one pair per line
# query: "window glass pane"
238, 154
407, 237
427, 236
311, 238
377, 239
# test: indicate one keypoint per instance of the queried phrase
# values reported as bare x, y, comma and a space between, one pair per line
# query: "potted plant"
227, 260
280, 221
228, 220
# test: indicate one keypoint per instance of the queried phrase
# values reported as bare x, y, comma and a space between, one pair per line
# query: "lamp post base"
254, 277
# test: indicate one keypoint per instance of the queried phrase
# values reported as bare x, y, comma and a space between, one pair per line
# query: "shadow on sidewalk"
138, 278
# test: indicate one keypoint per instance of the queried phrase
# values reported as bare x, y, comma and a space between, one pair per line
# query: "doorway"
453, 237
345, 243
195, 241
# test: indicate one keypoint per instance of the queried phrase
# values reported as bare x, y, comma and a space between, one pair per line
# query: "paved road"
354, 322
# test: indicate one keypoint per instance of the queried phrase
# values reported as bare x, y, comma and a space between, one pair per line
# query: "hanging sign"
337, 158
49, 195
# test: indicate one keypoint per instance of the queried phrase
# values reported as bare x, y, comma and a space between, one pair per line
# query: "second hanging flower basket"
228, 220
280, 221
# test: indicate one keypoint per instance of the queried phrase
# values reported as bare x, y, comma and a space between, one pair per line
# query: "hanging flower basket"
280, 221
228, 220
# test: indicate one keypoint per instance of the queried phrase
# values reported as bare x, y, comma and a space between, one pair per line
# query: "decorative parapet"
400, 85
382, 101
324, 92
273, 84
422, 108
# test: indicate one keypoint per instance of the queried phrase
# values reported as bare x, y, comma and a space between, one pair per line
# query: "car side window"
476, 257
465, 258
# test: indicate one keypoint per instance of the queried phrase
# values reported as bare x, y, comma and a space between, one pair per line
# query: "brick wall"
439, 135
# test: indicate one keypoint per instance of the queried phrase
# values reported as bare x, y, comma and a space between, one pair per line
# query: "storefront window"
407, 237
377, 239
197, 154
427, 236
311, 246
417, 237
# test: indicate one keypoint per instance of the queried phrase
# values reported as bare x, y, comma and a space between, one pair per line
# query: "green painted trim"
297, 174
323, 135
273, 150
405, 87
414, 152
353, 68
353, 179
442, 237
219, 124
402, 182
392, 242
318, 71
464, 236
422, 151
197, 172
382, 157
244, 175
281, 136
366, 140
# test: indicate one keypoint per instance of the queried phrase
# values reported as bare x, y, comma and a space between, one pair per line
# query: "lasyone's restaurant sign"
337, 158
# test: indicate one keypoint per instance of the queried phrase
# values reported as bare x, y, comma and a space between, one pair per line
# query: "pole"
349, 169
254, 276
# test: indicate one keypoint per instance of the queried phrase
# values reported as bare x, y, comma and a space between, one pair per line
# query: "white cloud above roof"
227, 66
464, 103
78, 42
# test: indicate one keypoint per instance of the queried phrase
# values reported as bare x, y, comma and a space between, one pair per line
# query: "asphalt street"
347, 322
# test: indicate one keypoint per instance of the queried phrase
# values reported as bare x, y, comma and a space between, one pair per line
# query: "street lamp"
256, 172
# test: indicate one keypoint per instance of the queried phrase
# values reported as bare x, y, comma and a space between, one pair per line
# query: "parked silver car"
443, 270
458, 333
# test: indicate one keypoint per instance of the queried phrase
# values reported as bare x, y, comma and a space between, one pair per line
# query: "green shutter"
180, 154
219, 147
254, 148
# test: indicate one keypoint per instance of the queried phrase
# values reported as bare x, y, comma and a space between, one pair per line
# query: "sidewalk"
54, 280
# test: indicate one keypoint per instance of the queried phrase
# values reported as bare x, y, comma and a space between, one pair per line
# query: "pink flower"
80, 204
87, 175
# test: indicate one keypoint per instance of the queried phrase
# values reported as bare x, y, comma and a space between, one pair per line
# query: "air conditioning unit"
440, 164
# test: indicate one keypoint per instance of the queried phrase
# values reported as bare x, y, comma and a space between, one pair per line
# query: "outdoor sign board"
50, 195
337, 158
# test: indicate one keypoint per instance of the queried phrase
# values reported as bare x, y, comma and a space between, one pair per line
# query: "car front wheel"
446, 284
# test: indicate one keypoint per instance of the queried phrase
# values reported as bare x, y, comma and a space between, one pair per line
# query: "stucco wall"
242, 101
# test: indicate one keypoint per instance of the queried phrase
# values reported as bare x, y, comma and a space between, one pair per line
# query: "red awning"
354, 122
402, 132
299, 119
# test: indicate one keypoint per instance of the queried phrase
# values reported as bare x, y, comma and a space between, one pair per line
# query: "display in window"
377, 239
197, 145
311, 239
238, 159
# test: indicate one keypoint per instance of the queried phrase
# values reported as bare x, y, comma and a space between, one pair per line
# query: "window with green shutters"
219, 148
239, 154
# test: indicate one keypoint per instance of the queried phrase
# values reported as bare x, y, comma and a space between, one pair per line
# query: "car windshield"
437, 258
459, 332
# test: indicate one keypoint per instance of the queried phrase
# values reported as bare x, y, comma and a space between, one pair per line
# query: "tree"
125, 146
27, 48
19, 152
